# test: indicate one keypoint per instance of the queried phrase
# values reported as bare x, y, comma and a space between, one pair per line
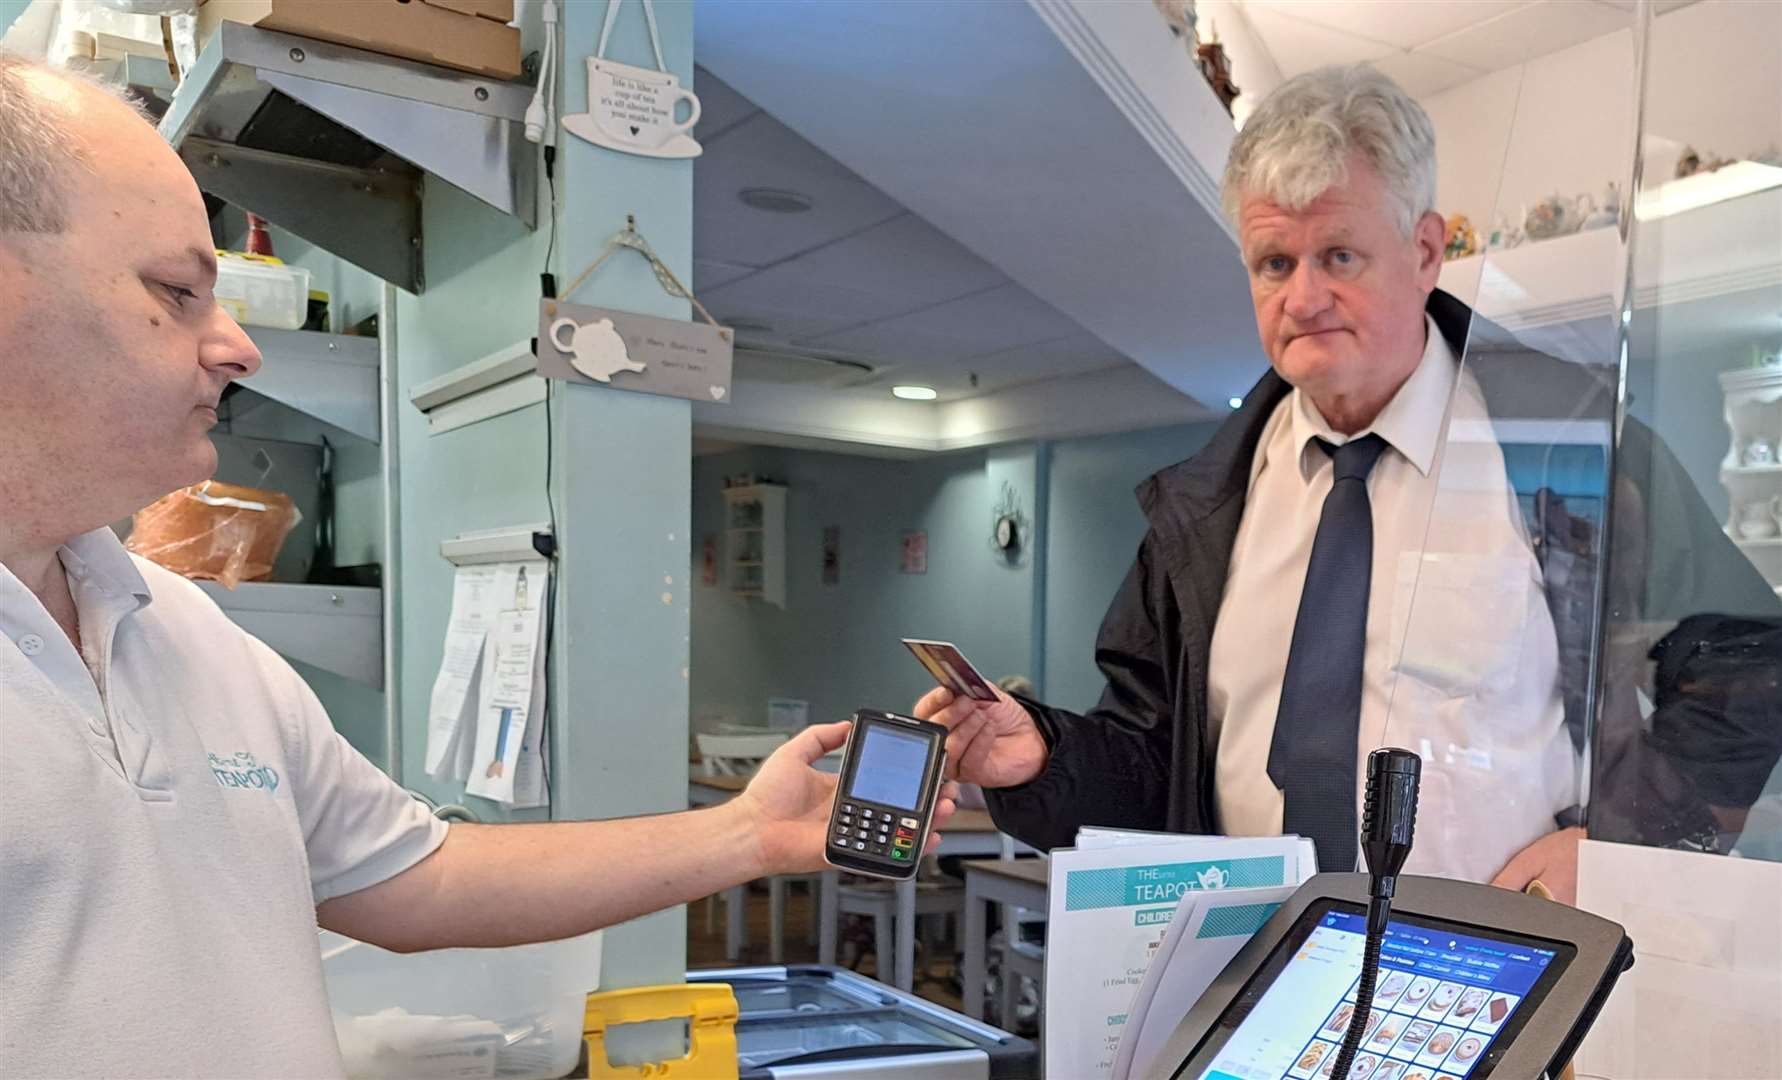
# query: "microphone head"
1389, 814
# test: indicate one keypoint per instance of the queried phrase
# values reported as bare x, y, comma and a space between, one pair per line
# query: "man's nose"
227, 348
1307, 293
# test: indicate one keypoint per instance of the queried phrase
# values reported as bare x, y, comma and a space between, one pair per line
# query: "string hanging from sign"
630, 238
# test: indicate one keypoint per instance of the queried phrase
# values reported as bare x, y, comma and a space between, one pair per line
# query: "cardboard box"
470, 35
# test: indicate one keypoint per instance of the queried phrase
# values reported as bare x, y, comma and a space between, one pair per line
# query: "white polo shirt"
166, 832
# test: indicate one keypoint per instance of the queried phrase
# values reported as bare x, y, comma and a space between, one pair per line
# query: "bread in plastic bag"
224, 532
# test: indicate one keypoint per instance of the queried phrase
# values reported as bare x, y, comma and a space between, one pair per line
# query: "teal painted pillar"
623, 480
620, 479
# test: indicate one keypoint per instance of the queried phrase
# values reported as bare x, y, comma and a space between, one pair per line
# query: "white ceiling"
1430, 46
857, 275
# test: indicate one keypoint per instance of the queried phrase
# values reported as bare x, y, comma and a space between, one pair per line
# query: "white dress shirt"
1461, 662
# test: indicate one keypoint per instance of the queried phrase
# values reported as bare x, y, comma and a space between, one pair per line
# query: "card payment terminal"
1474, 982
890, 779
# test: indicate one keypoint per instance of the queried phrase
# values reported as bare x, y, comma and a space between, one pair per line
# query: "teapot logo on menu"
1214, 877
242, 772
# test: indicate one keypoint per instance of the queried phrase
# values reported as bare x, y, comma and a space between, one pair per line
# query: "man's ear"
1430, 237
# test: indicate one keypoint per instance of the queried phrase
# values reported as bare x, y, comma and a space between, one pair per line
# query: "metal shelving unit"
333, 143
335, 628
332, 377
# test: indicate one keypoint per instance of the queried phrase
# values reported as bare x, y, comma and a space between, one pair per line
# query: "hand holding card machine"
890, 782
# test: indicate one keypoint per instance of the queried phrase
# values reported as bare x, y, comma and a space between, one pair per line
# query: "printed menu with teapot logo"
1112, 901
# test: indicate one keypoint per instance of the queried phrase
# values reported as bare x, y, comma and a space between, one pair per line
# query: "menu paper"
1206, 933
1110, 908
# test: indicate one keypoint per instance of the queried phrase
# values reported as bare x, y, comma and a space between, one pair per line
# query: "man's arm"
491, 885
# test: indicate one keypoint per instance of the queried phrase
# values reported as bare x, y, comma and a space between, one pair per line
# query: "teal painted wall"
837, 646
482, 295
1094, 529
620, 479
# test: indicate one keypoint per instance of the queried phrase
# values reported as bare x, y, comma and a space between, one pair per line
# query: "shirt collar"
99, 559
1411, 422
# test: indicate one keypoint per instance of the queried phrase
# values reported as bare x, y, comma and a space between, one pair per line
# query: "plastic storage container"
512, 1014
258, 291
817, 1022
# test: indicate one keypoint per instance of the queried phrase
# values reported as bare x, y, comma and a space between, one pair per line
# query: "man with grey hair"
178, 814
1345, 566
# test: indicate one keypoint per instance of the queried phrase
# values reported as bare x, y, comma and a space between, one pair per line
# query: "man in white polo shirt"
177, 814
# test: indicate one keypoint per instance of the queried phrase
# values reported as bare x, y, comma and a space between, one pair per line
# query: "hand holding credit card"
951, 669
993, 740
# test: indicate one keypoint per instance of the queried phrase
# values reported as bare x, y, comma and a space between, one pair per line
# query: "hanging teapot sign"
634, 109
623, 350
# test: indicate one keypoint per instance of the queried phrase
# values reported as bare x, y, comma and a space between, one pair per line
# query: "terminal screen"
1443, 1001
890, 768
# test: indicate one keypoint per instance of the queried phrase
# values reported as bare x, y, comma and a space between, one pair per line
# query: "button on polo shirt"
175, 804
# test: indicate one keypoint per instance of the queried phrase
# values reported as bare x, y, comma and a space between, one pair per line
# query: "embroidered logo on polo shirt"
240, 770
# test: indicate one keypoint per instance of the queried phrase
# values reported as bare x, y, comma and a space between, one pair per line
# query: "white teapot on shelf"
1557, 215
1758, 520
1606, 215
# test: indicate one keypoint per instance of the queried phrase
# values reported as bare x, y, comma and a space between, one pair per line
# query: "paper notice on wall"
451, 720
1110, 910
509, 684
529, 773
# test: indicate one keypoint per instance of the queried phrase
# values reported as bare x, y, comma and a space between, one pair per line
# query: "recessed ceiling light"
1235, 402
914, 393
774, 200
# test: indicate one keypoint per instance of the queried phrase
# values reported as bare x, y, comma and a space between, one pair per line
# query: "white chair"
1022, 960
737, 755
878, 901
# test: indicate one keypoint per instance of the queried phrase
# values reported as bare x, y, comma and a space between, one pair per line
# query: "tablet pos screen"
1450, 997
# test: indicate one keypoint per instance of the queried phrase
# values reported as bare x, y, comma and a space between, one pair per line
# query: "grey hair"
38, 147
1298, 142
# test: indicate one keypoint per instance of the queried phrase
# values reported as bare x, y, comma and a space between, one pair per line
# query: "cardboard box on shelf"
469, 35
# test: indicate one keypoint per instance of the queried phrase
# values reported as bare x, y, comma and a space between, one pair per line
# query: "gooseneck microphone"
1388, 818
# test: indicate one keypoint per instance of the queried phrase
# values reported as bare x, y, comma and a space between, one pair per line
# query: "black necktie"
1315, 747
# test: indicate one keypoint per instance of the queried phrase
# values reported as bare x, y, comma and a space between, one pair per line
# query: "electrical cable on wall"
541, 127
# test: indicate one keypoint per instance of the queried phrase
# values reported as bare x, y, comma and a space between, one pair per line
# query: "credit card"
951, 669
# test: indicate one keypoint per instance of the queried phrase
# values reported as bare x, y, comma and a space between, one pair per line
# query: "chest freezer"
811, 1021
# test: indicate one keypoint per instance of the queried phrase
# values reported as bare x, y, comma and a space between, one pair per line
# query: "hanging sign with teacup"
632, 109
625, 351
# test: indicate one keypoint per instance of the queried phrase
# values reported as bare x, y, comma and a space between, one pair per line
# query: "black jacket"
1140, 758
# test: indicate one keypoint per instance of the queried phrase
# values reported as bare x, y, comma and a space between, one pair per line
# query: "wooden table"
711, 790
1010, 882
968, 832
